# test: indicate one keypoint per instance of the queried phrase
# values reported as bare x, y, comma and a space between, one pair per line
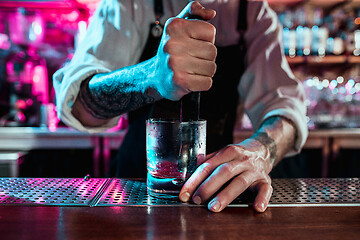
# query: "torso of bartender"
251, 70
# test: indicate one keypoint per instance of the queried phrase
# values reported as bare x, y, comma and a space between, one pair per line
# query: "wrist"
270, 145
154, 94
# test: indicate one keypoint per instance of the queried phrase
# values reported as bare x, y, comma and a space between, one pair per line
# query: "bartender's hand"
244, 165
186, 55
230, 171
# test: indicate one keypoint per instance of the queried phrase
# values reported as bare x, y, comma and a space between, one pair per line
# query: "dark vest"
218, 105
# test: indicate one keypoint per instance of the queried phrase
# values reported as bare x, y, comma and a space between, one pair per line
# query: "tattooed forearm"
110, 96
278, 134
269, 143
103, 105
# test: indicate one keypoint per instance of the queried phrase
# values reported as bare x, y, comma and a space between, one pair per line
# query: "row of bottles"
311, 30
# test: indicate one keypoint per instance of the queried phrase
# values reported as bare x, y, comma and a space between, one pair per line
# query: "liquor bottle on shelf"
320, 34
356, 51
299, 19
289, 33
309, 31
354, 28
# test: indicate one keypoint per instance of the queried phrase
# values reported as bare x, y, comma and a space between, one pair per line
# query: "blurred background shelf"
323, 60
331, 79
19, 141
43, 4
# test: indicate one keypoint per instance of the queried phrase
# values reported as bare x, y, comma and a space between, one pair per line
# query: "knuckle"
212, 31
194, 6
211, 28
173, 62
174, 24
179, 79
213, 69
206, 168
173, 47
231, 149
268, 180
214, 51
227, 168
207, 83
169, 46
204, 193
243, 180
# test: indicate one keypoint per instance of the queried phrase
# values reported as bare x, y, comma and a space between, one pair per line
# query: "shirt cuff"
67, 97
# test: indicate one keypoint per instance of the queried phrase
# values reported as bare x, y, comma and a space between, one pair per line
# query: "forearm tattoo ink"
269, 143
110, 99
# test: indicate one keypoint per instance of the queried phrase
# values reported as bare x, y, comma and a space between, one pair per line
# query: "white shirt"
118, 33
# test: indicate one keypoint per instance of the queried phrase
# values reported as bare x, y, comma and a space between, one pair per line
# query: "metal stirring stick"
190, 107
190, 110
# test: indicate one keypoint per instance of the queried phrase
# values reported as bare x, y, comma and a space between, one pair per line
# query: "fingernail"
197, 200
214, 205
185, 197
261, 207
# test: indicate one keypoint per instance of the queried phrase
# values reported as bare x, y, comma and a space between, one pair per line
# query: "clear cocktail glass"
174, 150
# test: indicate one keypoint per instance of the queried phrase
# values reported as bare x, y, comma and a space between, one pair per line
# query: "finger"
192, 65
202, 67
204, 171
263, 196
201, 173
195, 29
210, 155
200, 159
222, 175
195, 48
192, 82
203, 50
236, 187
196, 9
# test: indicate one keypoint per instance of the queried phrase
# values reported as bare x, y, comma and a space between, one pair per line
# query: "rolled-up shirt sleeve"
114, 39
268, 87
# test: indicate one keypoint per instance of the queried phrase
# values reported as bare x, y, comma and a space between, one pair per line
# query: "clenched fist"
185, 60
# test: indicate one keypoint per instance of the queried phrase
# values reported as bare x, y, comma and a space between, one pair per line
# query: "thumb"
196, 9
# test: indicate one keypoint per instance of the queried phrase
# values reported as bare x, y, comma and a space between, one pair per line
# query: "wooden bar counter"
24, 222
121, 209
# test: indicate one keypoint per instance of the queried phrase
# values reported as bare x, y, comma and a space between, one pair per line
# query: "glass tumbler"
174, 150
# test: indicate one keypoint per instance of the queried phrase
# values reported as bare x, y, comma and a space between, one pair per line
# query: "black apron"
218, 105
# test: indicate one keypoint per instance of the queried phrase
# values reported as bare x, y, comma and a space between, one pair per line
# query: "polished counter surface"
98, 208
179, 223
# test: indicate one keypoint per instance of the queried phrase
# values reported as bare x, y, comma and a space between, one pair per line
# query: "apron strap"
158, 9
242, 18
